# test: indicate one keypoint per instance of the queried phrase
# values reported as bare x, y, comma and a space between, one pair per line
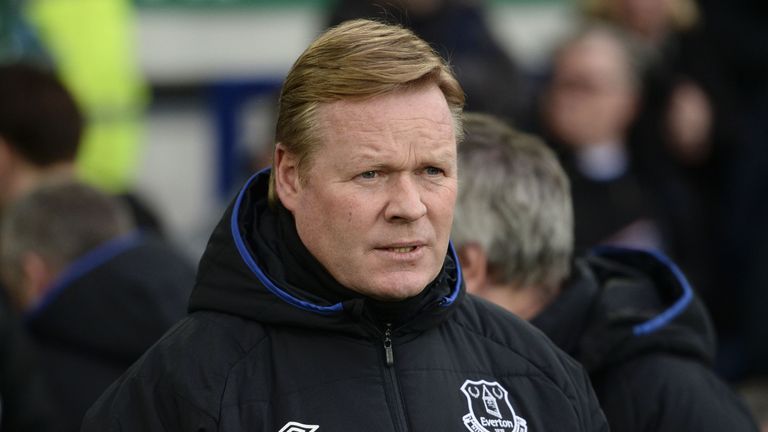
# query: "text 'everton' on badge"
489, 408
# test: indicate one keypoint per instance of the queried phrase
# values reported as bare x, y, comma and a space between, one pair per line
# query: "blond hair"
356, 59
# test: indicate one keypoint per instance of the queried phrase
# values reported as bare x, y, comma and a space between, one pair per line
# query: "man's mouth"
405, 249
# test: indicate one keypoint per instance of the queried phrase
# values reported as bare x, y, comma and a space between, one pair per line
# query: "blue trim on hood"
82, 266
283, 295
672, 312
447, 301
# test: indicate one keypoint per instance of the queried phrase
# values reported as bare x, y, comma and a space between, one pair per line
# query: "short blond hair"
356, 59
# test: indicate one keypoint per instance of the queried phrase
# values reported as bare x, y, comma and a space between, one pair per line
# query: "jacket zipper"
391, 386
390, 356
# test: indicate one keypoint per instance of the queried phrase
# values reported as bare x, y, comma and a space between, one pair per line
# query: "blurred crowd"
656, 109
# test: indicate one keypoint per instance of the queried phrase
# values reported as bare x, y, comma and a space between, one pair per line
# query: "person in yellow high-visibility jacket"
93, 46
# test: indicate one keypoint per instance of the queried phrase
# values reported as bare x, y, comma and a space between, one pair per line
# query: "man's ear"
474, 267
37, 278
286, 172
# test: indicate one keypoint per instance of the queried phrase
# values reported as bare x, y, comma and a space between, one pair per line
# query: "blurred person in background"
459, 31
702, 126
29, 152
678, 115
41, 129
329, 296
628, 316
94, 292
587, 109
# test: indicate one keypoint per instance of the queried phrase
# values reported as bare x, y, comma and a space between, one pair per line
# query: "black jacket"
100, 316
633, 321
24, 402
273, 343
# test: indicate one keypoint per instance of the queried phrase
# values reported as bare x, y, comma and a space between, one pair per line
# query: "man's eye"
368, 175
433, 171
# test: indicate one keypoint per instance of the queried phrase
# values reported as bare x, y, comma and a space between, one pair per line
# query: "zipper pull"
388, 345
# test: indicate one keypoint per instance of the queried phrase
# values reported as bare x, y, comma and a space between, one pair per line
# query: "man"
39, 131
630, 317
94, 292
588, 108
329, 297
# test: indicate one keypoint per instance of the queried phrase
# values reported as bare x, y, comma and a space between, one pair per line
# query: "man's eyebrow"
444, 156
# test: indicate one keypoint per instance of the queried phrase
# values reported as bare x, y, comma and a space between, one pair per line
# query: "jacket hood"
623, 303
248, 270
116, 300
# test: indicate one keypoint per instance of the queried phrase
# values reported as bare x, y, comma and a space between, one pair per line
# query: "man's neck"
525, 302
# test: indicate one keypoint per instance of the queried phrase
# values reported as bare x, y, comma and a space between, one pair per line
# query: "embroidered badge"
298, 427
489, 408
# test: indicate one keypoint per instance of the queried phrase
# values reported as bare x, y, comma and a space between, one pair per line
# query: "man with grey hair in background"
629, 316
94, 292
329, 297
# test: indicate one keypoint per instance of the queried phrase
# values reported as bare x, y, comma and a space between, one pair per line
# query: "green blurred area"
286, 3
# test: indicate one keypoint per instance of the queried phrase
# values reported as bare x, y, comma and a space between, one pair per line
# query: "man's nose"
405, 200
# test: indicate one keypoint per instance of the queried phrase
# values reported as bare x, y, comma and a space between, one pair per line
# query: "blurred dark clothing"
458, 31
647, 342
618, 209
24, 403
100, 316
736, 37
688, 188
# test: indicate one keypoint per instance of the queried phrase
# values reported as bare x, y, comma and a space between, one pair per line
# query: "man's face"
591, 100
377, 205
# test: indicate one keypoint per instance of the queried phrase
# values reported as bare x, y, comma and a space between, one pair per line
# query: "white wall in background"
193, 45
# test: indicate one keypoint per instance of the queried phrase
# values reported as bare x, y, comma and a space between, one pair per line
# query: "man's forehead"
376, 117
377, 134
390, 104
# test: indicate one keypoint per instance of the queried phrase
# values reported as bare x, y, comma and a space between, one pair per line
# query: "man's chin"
392, 290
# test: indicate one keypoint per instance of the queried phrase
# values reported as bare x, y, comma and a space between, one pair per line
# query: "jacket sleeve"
663, 393
134, 405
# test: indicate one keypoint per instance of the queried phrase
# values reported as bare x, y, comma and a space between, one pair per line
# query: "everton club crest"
298, 427
489, 408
